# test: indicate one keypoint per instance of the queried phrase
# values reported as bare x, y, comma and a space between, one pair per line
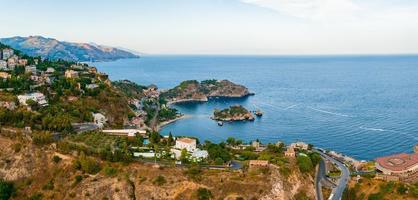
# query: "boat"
220, 123
258, 113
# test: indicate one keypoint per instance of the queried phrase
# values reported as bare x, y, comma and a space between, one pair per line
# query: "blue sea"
362, 106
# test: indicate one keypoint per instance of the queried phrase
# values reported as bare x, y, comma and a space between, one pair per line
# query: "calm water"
364, 106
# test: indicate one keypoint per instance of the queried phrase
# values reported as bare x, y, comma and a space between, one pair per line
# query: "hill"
54, 49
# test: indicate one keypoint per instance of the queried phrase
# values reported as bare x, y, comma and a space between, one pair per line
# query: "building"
8, 105
37, 97
300, 145
91, 86
3, 65
7, 53
5, 75
186, 143
22, 62
30, 69
200, 154
99, 119
258, 163
71, 74
125, 132
290, 152
398, 164
11, 63
50, 70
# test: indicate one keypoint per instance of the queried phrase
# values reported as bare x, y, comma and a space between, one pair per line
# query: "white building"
50, 70
186, 143
99, 119
7, 53
30, 69
37, 97
3, 64
144, 154
200, 154
125, 132
91, 86
300, 145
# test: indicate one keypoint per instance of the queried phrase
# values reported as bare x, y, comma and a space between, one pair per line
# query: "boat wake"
328, 112
372, 129
392, 131
290, 107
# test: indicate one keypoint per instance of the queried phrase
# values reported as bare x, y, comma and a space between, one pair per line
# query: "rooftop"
186, 140
398, 162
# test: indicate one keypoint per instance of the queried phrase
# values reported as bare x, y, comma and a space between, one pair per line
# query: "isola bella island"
209, 100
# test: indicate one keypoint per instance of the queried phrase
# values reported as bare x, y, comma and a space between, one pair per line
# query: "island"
193, 90
233, 113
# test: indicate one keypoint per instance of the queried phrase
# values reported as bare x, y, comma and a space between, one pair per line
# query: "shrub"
49, 185
159, 180
110, 171
6, 189
56, 159
304, 163
17, 147
204, 194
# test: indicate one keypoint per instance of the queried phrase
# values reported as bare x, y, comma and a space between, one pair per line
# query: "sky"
266, 27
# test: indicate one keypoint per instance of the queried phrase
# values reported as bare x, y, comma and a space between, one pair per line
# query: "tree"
204, 194
154, 137
184, 155
305, 164
170, 139
6, 190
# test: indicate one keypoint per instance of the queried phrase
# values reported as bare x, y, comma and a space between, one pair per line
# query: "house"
258, 163
201, 154
186, 143
37, 97
144, 154
300, 145
11, 62
125, 132
30, 69
8, 105
50, 70
22, 62
93, 70
5, 75
258, 146
99, 119
290, 152
3, 64
7, 53
71, 74
77, 66
91, 86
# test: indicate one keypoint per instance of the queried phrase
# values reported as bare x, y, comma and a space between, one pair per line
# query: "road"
337, 192
319, 176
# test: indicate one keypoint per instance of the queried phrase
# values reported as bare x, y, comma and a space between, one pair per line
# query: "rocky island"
193, 90
233, 113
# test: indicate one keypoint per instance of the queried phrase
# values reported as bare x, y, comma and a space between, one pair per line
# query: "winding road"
337, 192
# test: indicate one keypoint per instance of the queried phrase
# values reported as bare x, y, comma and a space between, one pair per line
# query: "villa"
300, 145
37, 97
290, 152
71, 74
186, 143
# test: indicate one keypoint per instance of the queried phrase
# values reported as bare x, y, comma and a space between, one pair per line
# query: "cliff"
193, 90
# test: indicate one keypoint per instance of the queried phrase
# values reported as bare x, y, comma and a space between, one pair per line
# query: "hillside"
53, 49
233, 113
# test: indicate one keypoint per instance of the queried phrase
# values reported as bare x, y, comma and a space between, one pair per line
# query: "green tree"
304, 163
6, 190
204, 194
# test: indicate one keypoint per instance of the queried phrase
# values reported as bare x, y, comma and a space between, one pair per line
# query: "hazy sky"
222, 26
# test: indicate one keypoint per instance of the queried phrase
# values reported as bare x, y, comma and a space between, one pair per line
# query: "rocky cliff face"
53, 49
200, 91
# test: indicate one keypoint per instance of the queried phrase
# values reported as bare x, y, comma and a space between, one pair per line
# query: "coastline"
162, 124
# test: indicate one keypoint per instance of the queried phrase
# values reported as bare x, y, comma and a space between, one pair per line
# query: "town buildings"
7, 53
290, 152
71, 74
37, 97
300, 145
3, 65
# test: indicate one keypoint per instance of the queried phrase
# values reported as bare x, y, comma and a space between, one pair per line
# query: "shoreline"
163, 124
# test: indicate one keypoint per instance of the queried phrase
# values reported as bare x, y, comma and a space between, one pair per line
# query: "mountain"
54, 49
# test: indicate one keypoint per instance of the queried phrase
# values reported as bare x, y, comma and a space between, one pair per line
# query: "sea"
361, 106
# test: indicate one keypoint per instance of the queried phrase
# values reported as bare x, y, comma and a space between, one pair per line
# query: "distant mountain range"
53, 49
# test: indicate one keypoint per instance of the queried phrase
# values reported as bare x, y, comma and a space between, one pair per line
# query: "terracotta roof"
186, 140
398, 162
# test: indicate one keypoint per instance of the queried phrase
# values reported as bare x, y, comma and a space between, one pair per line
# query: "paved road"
337, 192
319, 176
